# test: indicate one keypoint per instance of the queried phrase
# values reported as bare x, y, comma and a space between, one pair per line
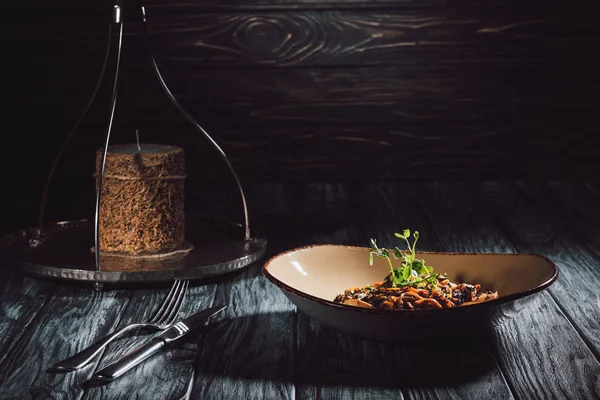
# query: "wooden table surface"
265, 349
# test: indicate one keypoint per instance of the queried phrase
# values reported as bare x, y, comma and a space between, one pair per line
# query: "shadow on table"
316, 355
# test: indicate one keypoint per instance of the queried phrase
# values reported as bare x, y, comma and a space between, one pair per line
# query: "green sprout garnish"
412, 270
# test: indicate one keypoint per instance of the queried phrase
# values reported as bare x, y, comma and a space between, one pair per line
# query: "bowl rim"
330, 303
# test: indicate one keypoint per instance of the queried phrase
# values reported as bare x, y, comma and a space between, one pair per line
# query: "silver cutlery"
174, 334
162, 319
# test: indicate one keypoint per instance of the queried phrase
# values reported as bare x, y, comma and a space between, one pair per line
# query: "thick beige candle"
142, 199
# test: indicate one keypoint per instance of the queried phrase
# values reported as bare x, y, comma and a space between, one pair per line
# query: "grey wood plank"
574, 207
539, 230
166, 375
249, 355
22, 299
73, 318
303, 360
529, 342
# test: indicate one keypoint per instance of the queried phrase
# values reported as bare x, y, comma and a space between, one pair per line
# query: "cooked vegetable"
412, 285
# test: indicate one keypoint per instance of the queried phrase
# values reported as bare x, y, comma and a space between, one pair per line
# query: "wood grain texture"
402, 37
22, 299
530, 335
290, 5
192, 6
307, 124
72, 319
425, 102
172, 370
70, 7
570, 205
326, 154
466, 87
382, 107
264, 349
258, 318
548, 320
540, 230
444, 37
345, 96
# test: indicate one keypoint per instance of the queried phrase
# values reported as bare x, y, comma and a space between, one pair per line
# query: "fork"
162, 319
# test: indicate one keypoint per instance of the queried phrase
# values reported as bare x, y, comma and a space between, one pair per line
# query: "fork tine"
176, 305
166, 302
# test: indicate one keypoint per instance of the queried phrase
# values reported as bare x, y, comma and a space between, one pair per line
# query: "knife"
174, 334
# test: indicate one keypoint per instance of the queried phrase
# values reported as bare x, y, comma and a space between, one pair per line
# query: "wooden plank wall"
320, 89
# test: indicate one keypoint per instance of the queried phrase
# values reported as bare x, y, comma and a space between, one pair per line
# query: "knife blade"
174, 334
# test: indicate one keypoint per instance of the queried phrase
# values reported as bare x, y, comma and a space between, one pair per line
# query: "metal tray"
63, 250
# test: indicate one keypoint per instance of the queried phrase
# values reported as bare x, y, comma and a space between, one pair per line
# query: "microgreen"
412, 271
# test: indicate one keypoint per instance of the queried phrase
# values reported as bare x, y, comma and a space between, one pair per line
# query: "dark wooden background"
307, 90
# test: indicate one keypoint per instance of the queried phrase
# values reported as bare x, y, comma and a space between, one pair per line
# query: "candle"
142, 199
142, 148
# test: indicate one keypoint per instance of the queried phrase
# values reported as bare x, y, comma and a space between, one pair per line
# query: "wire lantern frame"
117, 22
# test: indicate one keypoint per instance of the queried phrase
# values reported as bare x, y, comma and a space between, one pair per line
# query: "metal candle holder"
38, 251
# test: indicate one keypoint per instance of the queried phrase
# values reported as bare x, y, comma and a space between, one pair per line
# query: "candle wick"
137, 138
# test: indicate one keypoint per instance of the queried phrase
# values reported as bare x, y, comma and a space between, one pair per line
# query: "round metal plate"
64, 250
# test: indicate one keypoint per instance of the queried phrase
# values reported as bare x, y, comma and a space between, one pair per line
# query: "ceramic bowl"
312, 276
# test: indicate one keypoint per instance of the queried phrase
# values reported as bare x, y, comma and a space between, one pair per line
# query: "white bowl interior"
324, 271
